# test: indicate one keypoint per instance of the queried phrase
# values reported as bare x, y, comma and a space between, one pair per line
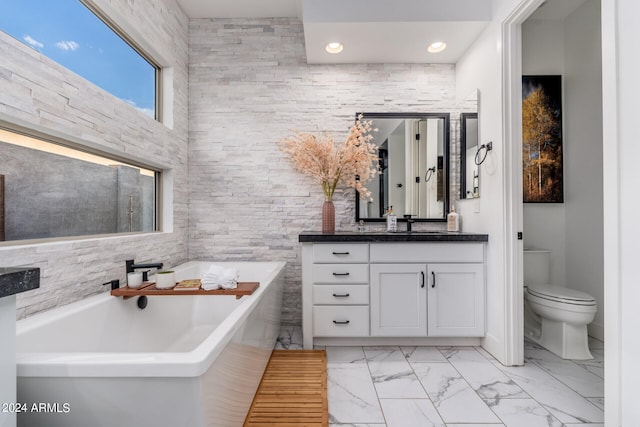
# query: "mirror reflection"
469, 180
413, 152
468, 140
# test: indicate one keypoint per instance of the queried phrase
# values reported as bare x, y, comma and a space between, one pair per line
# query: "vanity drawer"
341, 321
340, 253
341, 294
340, 273
442, 252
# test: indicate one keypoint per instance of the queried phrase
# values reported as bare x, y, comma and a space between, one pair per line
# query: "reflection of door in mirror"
424, 173
469, 179
466, 133
383, 178
413, 154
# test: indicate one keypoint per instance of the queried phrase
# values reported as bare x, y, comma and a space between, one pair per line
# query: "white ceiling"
556, 9
389, 42
377, 31
372, 31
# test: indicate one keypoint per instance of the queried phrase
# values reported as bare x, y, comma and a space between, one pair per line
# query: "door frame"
512, 161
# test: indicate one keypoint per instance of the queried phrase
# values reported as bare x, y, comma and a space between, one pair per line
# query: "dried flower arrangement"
330, 163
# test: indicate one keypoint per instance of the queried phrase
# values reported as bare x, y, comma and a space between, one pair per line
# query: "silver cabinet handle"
341, 295
341, 322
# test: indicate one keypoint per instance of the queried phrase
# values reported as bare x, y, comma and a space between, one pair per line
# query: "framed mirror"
468, 142
469, 178
413, 154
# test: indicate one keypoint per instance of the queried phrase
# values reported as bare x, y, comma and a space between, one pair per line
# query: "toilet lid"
561, 294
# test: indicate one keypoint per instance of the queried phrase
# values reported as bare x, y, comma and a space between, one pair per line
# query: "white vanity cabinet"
339, 297
434, 289
396, 292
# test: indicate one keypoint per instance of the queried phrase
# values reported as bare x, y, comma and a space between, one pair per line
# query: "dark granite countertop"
14, 280
381, 236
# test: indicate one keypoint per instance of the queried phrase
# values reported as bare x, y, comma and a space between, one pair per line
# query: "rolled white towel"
232, 284
221, 274
220, 277
210, 286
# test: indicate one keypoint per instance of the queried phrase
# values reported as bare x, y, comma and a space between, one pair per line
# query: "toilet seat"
561, 295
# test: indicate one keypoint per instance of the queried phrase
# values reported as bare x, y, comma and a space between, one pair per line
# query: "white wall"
572, 230
37, 93
480, 68
544, 223
583, 157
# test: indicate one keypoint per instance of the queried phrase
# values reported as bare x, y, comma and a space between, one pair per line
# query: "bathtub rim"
143, 364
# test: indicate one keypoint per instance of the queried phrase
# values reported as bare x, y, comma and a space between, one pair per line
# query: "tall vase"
328, 217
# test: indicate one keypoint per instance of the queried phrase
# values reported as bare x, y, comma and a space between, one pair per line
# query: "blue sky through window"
70, 34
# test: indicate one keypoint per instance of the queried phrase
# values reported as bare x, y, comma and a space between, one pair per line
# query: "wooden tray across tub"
244, 288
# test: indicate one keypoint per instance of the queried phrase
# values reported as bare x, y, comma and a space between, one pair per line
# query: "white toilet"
555, 317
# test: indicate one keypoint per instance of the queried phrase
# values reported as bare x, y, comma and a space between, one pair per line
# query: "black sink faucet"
131, 266
409, 222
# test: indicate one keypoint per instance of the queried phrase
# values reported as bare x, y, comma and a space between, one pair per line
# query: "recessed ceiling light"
436, 47
334, 47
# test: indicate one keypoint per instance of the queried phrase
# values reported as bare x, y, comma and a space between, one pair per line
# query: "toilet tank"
537, 267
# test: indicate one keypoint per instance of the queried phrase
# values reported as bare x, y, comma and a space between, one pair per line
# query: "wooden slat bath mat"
293, 391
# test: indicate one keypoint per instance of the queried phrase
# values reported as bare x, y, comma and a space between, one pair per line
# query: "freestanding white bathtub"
183, 361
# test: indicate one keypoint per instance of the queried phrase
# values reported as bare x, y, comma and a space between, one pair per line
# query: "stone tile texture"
39, 94
250, 86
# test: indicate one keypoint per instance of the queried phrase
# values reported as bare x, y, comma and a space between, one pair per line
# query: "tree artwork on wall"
542, 139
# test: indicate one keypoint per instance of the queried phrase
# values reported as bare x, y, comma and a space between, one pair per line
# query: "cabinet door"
398, 300
456, 300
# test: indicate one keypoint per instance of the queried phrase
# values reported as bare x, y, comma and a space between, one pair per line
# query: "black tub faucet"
115, 284
131, 266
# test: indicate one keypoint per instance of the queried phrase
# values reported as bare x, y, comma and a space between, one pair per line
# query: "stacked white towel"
220, 277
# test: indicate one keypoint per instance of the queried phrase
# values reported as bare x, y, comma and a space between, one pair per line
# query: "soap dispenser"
453, 220
392, 221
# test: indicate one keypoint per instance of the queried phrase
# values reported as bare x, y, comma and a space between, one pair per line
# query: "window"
71, 34
50, 190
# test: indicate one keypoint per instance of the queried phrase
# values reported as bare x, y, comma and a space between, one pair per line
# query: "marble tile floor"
458, 387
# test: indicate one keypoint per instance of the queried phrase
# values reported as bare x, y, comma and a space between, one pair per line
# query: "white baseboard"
494, 347
596, 330
403, 341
